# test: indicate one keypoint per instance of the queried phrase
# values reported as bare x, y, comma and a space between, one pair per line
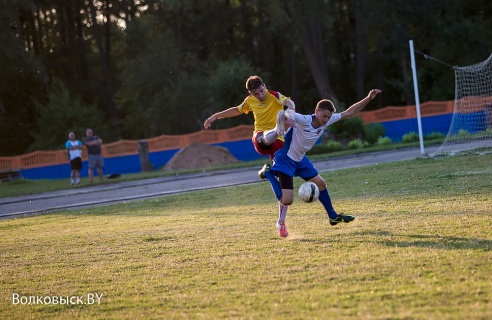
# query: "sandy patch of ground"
198, 155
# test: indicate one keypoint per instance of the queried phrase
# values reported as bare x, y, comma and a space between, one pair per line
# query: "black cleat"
341, 218
265, 168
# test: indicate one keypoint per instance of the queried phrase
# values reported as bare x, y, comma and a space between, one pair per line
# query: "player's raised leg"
270, 136
280, 123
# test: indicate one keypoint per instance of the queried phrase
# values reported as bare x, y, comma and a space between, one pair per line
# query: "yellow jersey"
264, 112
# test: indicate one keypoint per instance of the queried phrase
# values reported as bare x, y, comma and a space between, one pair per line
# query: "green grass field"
420, 248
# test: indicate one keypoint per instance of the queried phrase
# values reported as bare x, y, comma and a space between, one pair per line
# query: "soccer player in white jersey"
292, 161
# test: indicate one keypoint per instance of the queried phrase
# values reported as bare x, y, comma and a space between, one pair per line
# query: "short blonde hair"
326, 104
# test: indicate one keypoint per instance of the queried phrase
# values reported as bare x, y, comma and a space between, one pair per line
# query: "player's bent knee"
320, 182
286, 202
287, 197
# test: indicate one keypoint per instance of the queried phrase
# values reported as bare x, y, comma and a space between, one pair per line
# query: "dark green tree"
162, 66
61, 114
22, 77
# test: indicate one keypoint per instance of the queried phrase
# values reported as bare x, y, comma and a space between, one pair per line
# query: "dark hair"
326, 104
253, 83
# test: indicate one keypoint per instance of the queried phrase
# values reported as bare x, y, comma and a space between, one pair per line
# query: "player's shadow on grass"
425, 241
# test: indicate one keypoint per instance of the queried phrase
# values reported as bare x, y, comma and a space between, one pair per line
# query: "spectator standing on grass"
96, 160
268, 110
292, 161
74, 148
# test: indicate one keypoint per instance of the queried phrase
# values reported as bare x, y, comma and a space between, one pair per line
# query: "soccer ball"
308, 192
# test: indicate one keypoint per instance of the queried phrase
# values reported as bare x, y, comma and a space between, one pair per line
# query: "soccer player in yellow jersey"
268, 111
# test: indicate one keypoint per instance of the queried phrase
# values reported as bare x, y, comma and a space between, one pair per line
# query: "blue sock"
324, 198
275, 184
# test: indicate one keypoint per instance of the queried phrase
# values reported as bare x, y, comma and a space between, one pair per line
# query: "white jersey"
74, 153
302, 136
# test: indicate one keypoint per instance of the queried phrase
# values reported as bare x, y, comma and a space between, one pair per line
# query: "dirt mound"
198, 155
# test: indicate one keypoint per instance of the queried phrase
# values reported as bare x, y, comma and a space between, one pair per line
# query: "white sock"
270, 136
282, 212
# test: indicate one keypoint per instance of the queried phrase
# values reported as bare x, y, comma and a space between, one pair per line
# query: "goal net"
471, 124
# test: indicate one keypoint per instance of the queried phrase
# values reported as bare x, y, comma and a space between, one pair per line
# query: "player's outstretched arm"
357, 107
228, 113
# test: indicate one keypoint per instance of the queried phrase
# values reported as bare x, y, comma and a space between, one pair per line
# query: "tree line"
134, 69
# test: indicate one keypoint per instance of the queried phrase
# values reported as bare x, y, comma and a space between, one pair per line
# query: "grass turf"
420, 248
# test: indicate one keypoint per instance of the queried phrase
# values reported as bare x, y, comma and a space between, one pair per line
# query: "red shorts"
266, 150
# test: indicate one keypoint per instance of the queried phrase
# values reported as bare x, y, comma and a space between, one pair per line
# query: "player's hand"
373, 93
289, 113
208, 122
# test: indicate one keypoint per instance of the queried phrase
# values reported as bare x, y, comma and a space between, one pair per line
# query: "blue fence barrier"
396, 129
242, 150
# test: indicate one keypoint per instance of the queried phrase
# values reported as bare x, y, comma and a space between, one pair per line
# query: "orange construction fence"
242, 132
38, 159
408, 112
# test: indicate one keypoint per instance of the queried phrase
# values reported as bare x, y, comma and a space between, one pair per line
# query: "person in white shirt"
74, 148
292, 161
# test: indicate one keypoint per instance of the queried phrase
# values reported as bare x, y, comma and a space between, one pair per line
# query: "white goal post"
417, 99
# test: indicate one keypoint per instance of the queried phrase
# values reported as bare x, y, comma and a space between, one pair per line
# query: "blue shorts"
304, 168
95, 160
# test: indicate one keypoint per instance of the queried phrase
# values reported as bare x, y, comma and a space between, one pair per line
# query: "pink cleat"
282, 230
